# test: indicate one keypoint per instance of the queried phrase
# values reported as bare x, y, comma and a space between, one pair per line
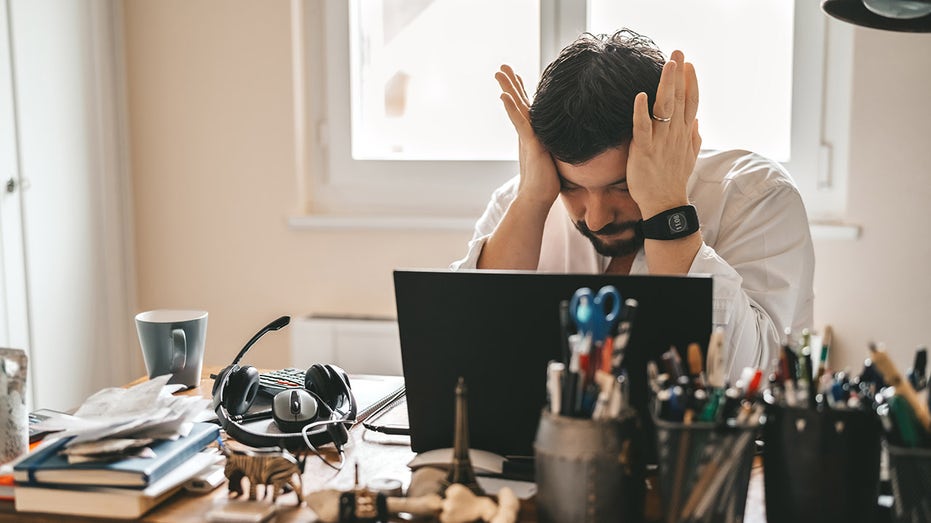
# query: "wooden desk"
375, 458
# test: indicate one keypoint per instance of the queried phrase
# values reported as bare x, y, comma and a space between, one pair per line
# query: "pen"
571, 398
916, 375
754, 384
623, 334
672, 363
252, 416
564, 330
804, 368
606, 386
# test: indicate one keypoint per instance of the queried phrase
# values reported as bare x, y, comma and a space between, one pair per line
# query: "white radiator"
360, 345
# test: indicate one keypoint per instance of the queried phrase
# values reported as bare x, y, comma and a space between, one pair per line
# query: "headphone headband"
291, 441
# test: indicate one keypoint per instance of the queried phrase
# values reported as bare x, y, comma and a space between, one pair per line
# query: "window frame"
820, 128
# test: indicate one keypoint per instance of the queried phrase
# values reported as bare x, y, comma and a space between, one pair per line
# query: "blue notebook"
47, 466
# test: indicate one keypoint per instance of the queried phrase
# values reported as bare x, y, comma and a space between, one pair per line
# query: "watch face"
677, 222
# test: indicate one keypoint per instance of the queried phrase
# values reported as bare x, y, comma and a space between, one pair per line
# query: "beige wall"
879, 288
210, 108
210, 105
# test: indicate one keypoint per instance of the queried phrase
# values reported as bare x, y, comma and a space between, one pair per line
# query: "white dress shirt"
757, 247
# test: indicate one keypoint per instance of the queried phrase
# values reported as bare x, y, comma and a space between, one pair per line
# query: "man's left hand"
662, 153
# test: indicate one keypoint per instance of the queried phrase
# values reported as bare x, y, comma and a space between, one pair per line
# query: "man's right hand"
539, 183
516, 241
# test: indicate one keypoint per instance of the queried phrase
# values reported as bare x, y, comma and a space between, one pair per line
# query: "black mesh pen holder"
704, 470
589, 470
820, 465
910, 475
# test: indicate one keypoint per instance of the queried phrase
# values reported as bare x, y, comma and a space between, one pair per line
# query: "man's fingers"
509, 86
691, 92
643, 127
666, 91
679, 97
518, 120
523, 90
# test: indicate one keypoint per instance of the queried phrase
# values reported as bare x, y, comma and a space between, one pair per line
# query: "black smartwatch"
670, 225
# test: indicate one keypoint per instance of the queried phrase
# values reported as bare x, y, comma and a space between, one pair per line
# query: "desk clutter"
120, 454
822, 433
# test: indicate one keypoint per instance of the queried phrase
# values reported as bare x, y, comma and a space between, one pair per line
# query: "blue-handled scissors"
595, 314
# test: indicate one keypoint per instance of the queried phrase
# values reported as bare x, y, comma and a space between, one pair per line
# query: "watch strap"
671, 224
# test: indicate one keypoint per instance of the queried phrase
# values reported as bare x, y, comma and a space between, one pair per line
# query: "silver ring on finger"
660, 118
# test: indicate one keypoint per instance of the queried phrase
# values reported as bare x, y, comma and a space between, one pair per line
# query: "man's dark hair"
584, 102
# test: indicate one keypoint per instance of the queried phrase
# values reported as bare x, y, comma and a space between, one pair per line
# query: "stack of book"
127, 488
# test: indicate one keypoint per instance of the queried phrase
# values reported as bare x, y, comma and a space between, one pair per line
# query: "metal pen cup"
910, 475
704, 470
589, 470
821, 465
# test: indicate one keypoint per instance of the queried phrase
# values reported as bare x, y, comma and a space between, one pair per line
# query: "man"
607, 185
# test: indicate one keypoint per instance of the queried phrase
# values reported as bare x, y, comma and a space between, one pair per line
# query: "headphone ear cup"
342, 391
218, 381
241, 389
317, 380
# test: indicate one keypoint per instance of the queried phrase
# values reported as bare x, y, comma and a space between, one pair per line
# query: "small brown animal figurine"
275, 469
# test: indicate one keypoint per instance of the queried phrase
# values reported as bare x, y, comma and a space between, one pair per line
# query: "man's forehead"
606, 168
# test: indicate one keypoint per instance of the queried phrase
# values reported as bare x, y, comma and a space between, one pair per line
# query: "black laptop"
498, 330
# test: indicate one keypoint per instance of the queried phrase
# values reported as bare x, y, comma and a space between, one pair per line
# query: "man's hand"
516, 241
539, 183
662, 153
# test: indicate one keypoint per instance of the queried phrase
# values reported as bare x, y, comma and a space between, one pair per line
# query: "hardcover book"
48, 466
110, 502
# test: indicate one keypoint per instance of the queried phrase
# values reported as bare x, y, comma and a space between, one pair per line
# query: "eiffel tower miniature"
461, 469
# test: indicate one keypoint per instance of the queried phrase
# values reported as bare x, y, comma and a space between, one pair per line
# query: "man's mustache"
609, 229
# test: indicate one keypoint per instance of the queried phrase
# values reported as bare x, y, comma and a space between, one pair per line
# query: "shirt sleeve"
762, 266
494, 212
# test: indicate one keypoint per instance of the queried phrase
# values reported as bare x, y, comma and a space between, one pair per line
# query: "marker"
902, 387
554, 379
695, 366
715, 359
825, 347
904, 420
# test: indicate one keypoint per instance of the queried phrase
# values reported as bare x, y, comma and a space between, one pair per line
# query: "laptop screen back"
499, 330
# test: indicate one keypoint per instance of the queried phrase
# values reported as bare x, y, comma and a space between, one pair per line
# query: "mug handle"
178, 350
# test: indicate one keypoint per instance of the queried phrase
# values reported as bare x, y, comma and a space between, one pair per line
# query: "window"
403, 118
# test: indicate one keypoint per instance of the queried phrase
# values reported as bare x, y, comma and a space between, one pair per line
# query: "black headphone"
235, 389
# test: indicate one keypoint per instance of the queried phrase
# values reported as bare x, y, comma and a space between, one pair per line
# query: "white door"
14, 323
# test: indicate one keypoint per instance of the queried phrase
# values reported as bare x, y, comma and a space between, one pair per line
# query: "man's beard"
615, 248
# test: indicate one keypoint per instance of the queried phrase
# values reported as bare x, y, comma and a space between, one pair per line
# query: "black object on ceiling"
912, 16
